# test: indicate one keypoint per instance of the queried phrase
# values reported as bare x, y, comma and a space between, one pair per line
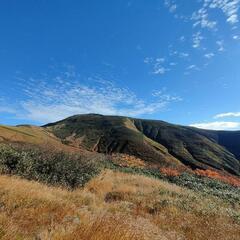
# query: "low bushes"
215, 175
72, 171
202, 184
206, 185
55, 168
170, 172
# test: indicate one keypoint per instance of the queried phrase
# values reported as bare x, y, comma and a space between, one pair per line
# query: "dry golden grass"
113, 206
28, 134
34, 135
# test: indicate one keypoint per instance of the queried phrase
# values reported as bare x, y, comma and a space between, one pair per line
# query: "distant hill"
154, 141
33, 135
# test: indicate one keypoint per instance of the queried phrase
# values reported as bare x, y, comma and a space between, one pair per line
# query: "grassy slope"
112, 134
190, 146
229, 139
114, 206
32, 135
153, 141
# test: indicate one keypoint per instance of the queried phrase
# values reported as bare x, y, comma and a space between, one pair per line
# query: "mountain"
154, 141
119, 206
108, 177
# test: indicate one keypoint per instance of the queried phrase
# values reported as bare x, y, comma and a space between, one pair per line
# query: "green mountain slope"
153, 141
110, 134
229, 139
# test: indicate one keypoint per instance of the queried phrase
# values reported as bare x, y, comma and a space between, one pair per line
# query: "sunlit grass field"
114, 206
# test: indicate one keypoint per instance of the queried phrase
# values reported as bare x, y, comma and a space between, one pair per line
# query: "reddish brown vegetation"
216, 175
125, 160
170, 172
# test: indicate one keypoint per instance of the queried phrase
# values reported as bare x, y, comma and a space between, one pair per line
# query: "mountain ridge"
154, 141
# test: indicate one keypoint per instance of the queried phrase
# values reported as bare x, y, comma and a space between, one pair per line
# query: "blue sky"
173, 60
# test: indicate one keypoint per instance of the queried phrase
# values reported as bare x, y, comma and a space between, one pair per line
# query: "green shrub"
55, 168
209, 186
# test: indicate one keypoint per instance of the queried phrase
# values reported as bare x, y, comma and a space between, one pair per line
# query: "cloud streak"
228, 114
47, 101
158, 65
218, 125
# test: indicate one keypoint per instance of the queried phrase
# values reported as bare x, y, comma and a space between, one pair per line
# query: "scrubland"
113, 206
53, 195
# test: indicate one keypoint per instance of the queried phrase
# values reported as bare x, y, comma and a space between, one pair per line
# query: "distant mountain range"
153, 141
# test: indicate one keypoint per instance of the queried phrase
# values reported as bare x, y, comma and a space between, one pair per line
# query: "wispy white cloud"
148, 60
207, 17
159, 69
192, 67
201, 18
220, 45
206, 27
197, 39
218, 125
54, 99
183, 55
161, 94
167, 63
209, 55
159, 65
176, 53
171, 5
228, 114
229, 8
236, 37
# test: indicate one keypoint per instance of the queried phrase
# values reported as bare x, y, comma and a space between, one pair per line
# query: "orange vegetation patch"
215, 175
170, 172
125, 160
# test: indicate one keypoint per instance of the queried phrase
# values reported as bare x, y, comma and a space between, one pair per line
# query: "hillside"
154, 141
94, 177
158, 143
33, 135
115, 206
